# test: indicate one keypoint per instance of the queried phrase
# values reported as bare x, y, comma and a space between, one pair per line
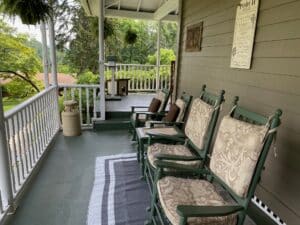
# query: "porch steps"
112, 124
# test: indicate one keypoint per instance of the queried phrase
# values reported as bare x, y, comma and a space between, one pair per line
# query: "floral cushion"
175, 150
198, 122
162, 97
175, 191
237, 148
182, 106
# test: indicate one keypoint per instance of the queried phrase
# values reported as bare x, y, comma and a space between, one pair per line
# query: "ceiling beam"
136, 15
165, 9
91, 6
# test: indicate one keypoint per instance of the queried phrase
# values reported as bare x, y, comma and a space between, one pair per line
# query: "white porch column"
52, 52
101, 59
5, 179
45, 54
158, 54
178, 50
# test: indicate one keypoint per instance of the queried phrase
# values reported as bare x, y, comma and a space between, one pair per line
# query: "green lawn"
10, 103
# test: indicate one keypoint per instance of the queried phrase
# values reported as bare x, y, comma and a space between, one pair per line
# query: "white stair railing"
30, 127
88, 101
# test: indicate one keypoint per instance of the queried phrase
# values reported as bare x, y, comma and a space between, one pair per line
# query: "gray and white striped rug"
118, 197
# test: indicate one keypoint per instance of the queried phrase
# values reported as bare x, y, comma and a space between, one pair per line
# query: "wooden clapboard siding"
272, 82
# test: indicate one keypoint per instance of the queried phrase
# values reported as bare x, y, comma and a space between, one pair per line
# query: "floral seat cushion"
174, 191
174, 150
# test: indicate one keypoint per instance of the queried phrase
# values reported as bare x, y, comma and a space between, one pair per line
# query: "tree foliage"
166, 57
30, 11
17, 60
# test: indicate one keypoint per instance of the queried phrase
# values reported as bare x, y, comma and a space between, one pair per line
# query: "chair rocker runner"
140, 114
165, 125
240, 150
192, 146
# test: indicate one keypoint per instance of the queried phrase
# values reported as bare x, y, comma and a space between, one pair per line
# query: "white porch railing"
87, 97
30, 127
142, 77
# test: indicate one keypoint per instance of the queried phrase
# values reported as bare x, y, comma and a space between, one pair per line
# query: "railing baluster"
54, 108
72, 94
87, 106
94, 103
19, 147
139, 79
38, 131
44, 119
51, 109
133, 78
15, 152
30, 133
80, 104
42, 123
34, 129
25, 142
8, 138
48, 115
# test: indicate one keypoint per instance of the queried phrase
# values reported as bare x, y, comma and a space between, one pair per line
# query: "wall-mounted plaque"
244, 32
194, 37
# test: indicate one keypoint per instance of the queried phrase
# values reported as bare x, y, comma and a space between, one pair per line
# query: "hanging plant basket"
30, 11
130, 37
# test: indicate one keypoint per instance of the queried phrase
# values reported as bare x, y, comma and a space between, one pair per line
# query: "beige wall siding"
273, 82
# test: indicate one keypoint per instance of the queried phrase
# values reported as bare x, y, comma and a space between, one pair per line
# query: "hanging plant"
130, 36
30, 11
109, 29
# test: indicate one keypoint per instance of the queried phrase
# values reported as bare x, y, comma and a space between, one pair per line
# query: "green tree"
30, 11
17, 60
166, 57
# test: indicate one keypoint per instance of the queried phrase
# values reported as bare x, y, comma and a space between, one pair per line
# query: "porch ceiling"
135, 9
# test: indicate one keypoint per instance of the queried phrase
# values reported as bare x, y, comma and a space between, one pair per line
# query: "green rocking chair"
192, 145
141, 114
163, 125
220, 193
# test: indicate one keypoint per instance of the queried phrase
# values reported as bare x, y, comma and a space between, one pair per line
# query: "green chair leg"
138, 153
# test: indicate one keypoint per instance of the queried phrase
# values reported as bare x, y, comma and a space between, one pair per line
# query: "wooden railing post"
5, 180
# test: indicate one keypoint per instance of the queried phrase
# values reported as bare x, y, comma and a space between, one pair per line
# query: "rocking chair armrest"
177, 157
178, 138
138, 107
207, 211
179, 167
146, 113
152, 123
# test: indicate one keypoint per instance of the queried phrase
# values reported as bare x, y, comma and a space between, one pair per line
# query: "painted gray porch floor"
60, 193
133, 99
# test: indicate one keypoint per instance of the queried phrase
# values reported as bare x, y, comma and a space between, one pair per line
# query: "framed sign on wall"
194, 37
244, 33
